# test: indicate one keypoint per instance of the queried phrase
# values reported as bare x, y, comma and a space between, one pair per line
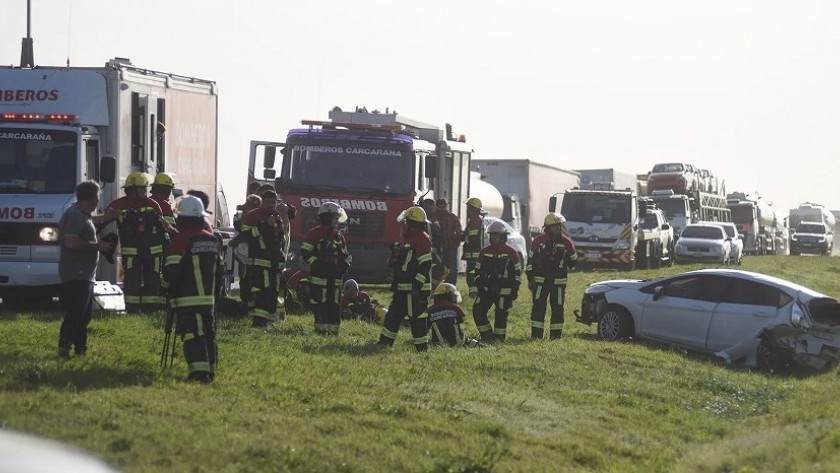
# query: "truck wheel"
615, 323
630, 266
656, 256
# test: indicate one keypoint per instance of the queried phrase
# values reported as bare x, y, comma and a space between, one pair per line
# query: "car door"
682, 311
745, 308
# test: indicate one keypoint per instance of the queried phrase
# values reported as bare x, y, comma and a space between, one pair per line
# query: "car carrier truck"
63, 125
375, 165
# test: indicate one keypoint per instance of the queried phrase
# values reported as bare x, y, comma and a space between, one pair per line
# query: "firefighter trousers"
405, 304
325, 297
141, 282
488, 297
264, 288
196, 326
554, 293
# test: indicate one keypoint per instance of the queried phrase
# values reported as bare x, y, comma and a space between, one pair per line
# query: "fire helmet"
136, 179
333, 208
447, 289
351, 284
164, 179
475, 203
190, 206
554, 218
497, 227
413, 214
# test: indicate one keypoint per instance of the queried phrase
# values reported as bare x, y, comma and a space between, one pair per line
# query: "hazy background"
747, 89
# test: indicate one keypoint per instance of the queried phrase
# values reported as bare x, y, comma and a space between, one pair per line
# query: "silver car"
704, 243
736, 243
739, 316
515, 239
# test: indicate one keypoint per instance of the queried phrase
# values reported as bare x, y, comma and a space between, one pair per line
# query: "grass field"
288, 400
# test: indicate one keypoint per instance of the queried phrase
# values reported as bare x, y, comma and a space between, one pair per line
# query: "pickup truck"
655, 246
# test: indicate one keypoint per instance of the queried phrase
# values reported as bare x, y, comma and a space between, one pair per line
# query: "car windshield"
673, 207
705, 233
649, 223
379, 167
810, 228
668, 167
742, 213
37, 161
597, 208
730, 230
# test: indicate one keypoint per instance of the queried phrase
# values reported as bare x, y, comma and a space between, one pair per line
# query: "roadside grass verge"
288, 400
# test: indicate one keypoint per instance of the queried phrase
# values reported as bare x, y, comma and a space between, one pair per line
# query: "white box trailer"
608, 179
533, 183
62, 125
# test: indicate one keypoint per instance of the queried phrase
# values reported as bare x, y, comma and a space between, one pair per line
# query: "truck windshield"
37, 161
672, 207
596, 208
810, 228
353, 166
742, 214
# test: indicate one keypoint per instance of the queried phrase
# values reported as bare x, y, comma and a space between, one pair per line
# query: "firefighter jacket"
190, 269
550, 257
473, 238
412, 263
165, 208
325, 250
445, 319
498, 266
139, 226
358, 307
265, 236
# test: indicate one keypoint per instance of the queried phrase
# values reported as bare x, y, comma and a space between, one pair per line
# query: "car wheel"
615, 324
767, 357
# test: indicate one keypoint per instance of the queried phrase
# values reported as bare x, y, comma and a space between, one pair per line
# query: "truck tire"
656, 256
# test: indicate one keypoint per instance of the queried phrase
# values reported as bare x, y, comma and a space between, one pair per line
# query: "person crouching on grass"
189, 279
445, 317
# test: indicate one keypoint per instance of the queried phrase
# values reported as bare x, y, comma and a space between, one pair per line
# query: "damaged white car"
739, 316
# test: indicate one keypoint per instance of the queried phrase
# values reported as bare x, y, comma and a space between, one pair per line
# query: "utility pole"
27, 54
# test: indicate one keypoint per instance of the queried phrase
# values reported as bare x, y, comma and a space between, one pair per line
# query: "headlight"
48, 234
797, 317
622, 245
598, 289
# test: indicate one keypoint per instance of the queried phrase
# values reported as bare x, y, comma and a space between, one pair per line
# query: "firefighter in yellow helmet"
498, 273
141, 230
551, 256
411, 261
473, 240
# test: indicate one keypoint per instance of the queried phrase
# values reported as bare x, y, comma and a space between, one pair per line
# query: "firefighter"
434, 231
551, 256
446, 316
355, 303
161, 192
325, 250
245, 296
141, 232
473, 240
264, 231
497, 276
412, 264
189, 277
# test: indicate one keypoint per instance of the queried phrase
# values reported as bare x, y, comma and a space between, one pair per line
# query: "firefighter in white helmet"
411, 261
497, 275
325, 251
551, 256
446, 316
473, 239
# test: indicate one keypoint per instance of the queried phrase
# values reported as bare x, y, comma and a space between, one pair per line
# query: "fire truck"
375, 165
62, 125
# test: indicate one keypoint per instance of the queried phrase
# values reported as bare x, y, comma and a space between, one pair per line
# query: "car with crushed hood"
739, 316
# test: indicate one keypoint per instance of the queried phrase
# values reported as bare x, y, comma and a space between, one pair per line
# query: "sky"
747, 89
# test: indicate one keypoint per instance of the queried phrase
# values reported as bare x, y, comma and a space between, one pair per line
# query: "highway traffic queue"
172, 259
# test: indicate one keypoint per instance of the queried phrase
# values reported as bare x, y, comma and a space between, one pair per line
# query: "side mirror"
665, 226
430, 166
107, 169
658, 292
552, 203
269, 174
177, 192
268, 156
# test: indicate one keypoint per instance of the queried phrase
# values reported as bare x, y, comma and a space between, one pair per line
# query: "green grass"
288, 400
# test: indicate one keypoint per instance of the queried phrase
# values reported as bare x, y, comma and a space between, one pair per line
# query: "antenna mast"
27, 54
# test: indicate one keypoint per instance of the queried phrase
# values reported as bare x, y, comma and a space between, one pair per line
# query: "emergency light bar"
353, 126
40, 117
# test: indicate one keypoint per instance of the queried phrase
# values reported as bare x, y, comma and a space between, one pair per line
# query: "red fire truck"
375, 165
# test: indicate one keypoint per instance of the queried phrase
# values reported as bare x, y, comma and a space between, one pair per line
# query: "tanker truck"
758, 223
810, 212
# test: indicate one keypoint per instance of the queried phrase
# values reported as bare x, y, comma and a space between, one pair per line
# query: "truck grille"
359, 224
15, 233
